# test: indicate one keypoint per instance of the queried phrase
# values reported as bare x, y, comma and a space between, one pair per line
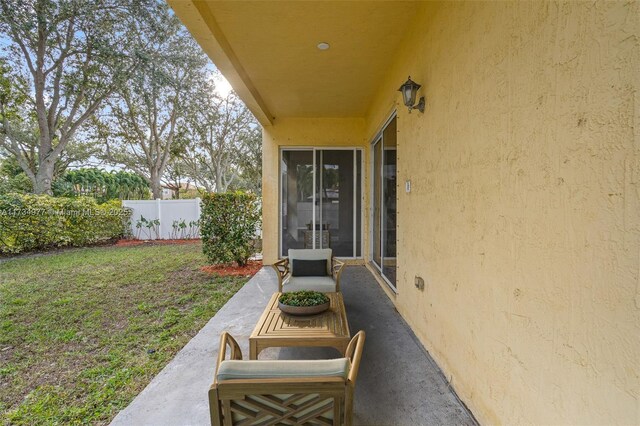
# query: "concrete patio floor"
398, 382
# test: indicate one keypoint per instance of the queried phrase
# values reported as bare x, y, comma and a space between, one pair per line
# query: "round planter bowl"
303, 310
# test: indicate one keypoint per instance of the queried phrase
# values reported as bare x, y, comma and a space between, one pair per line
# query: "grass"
82, 332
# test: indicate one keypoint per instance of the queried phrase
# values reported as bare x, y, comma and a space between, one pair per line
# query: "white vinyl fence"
164, 219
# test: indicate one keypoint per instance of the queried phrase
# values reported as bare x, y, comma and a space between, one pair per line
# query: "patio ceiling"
268, 51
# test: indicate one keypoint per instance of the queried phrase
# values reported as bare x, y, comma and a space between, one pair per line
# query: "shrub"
228, 224
19, 183
36, 222
101, 185
152, 228
303, 298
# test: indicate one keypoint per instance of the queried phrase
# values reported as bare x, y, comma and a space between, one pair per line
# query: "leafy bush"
303, 298
12, 177
36, 222
19, 183
228, 224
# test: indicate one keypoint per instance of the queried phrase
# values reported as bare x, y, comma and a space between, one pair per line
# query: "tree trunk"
219, 184
156, 186
44, 178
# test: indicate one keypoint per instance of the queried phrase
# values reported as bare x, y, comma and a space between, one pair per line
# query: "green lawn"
82, 332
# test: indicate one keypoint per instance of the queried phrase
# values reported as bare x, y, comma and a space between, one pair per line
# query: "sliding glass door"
384, 202
320, 204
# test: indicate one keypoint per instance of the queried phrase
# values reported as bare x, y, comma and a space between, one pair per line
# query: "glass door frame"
378, 138
315, 150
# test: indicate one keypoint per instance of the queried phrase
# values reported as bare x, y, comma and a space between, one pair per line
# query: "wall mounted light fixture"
409, 90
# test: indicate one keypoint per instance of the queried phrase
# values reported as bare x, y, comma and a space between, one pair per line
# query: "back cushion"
310, 254
308, 268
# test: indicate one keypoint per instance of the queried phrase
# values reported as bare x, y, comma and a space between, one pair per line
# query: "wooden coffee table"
277, 329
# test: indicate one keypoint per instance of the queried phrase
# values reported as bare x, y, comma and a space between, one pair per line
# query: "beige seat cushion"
259, 369
321, 284
310, 254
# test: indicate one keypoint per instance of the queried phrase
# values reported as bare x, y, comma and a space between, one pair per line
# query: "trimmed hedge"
31, 222
228, 224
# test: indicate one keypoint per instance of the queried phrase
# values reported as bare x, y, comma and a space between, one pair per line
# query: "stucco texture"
524, 218
524, 213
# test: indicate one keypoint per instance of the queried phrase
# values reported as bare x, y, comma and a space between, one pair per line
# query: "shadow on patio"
398, 382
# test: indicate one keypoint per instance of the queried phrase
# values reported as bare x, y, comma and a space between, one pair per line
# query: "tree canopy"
65, 58
119, 81
147, 117
223, 148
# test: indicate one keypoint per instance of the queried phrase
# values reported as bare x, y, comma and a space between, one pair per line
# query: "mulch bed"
249, 270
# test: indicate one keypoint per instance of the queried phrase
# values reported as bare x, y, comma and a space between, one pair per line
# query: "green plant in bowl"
303, 302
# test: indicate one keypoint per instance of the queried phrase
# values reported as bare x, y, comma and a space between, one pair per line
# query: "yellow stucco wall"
298, 132
524, 215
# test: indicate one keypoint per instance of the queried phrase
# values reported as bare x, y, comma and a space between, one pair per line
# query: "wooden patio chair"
292, 277
310, 392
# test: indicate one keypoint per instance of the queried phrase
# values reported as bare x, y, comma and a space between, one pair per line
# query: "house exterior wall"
523, 218
524, 213
299, 132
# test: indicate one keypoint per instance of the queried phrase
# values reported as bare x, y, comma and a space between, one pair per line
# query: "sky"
223, 88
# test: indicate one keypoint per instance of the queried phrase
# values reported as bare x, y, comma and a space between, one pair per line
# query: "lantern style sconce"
409, 90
